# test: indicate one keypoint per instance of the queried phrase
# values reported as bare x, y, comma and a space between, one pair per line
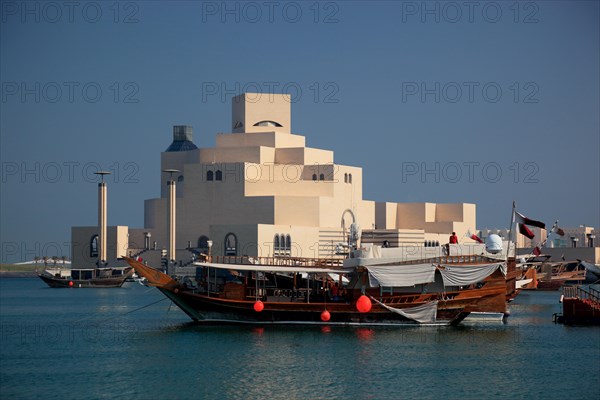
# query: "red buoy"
325, 316
259, 306
363, 304
70, 283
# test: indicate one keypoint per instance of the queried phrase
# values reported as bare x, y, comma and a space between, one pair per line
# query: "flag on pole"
559, 231
521, 219
525, 231
476, 238
537, 251
473, 236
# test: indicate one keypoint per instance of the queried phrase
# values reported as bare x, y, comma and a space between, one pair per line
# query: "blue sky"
484, 102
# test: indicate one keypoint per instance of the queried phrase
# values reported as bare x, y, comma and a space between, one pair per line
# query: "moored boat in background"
86, 278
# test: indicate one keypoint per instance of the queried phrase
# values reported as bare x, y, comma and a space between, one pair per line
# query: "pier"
581, 306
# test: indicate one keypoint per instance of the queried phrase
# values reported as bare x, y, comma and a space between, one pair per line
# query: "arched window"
203, 244
282, 244
314, 177
268, 123
288, 243
345, 178
276, 246
322, 177
218, 175
230, 244
209, 175
349, 178
180, 178
94, 246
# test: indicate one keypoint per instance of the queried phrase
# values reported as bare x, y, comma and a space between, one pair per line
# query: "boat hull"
206, 309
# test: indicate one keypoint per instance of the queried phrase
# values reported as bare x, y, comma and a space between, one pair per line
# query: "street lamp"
171, 216
102, 218
210, 244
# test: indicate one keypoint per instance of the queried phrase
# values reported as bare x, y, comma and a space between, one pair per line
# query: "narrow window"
314, 177
203, 247
322, 177
276, 245
180, 178
230, 244
94, 246
209, 175
349, 178
288, 244
345, 178
219, 176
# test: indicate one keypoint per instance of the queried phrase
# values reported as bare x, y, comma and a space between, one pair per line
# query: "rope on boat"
137, 309
169, 309
128, 312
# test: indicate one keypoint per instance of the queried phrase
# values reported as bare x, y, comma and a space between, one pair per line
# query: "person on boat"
343, 294
335, 292
453, 238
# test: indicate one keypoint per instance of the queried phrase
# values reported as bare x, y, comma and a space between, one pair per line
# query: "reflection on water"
364, 334
49, 335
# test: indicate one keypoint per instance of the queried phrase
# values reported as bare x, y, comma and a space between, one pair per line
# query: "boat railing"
582, 293
472, 258
299, 294
417, 298
279, 261
463, 259
334, 263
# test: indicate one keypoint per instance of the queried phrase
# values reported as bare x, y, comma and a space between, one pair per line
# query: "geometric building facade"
262, 192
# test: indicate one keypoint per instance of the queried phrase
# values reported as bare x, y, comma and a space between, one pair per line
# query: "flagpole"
551, 231
510, 231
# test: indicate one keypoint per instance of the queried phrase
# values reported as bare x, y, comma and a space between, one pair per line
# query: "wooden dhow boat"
374, 286
86, 278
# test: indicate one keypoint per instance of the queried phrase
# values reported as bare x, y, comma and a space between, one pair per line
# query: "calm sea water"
101, 343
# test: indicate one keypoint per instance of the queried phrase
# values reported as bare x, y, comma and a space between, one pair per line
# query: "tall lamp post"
209, 243
102, 218
171, 215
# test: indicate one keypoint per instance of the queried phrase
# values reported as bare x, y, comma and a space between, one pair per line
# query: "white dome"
493, 244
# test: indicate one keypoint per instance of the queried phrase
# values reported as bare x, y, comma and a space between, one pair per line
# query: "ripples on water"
67, 343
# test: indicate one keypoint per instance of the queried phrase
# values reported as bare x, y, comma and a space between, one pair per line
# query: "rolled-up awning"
461, 275
401, 275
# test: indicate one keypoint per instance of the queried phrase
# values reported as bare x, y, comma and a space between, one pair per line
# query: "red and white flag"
473, 236
525, 231
521, 219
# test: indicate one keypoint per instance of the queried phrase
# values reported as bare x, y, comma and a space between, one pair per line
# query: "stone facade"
262, 192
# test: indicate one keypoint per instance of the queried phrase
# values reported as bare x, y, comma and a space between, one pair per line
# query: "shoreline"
17, 274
